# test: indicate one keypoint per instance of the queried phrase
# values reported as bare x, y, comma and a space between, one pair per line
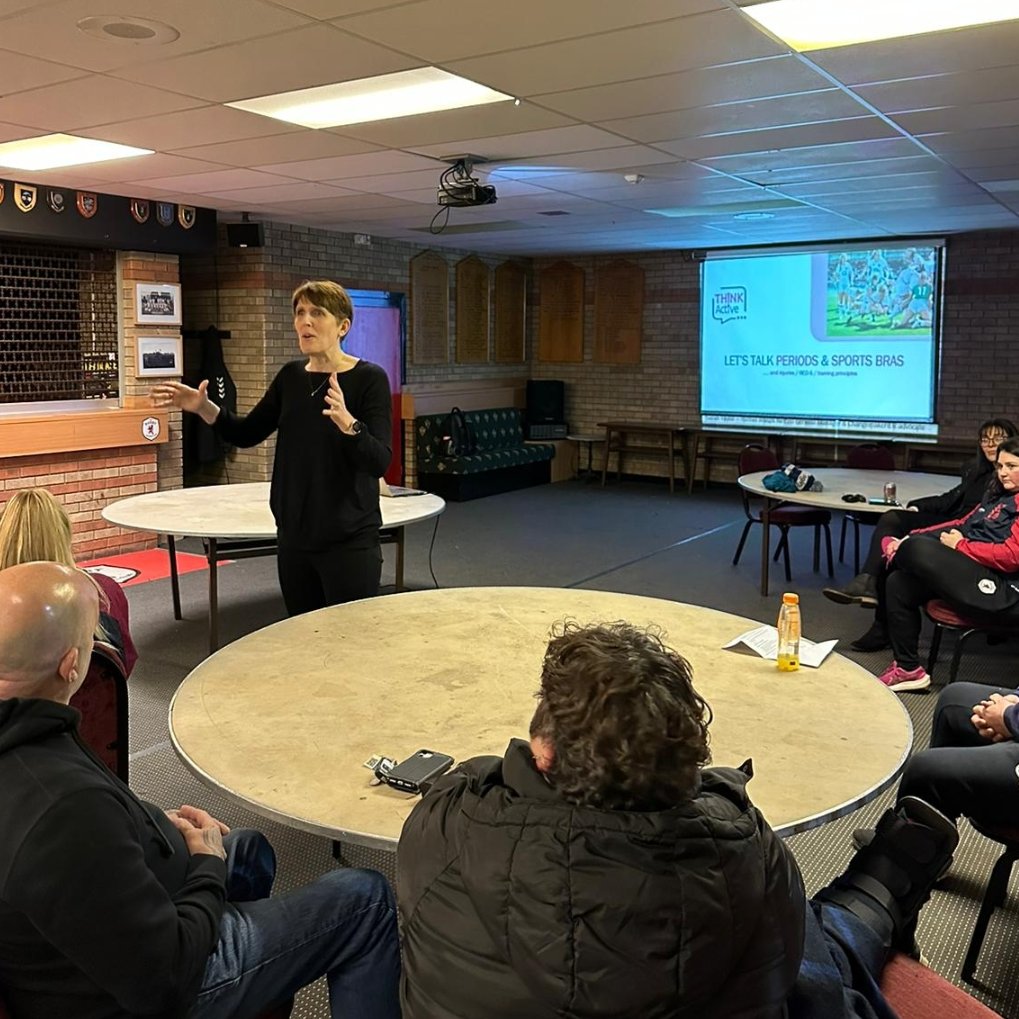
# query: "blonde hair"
34, 527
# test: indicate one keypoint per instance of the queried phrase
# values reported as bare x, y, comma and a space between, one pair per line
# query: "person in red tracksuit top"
972, 563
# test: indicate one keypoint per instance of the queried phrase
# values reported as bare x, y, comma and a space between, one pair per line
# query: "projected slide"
835, 337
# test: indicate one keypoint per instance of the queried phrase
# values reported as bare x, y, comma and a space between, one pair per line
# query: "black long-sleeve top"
970, 492
325, 487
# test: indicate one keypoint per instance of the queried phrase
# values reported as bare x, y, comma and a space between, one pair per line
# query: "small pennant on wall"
56, 201
164, 213
186, 216
140, 210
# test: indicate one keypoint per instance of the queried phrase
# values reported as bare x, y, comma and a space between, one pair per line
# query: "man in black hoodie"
111, 908
602, 872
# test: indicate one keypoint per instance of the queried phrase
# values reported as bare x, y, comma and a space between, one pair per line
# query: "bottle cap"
790, 599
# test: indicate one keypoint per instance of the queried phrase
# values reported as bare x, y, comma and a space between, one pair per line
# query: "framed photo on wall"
159, 355
157, 304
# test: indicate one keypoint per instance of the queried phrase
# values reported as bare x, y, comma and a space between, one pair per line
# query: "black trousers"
314, 578
962, 773
894, 524
922, 569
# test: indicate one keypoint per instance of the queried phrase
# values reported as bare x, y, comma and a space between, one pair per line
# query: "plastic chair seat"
945, 617
916, 992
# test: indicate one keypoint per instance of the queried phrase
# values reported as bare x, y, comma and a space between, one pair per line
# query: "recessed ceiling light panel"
403, 94
824, 24
55, 150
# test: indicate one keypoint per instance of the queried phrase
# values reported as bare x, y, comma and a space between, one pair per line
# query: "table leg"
213, 597
400, 538
691, 450
171, 546
765, 545
605, 463
672, 462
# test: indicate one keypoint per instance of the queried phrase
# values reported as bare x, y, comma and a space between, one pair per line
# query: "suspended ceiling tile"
965, 49
149, 167
805, 108
866, 168
299, 143
201, 24
301, 58
622, 158
13, 132
1003, 114
448, 127
86, 102
450, 29
554, 141
359, 165
963, 142
701, 40
587, 182
387, 183
706, 86
861, 185
218, 180
817, 155
19, 72
982, 159
710, 147
191, 127
292, 192
936, 90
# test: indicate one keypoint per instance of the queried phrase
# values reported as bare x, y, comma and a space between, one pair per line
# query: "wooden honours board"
510, 313
561, 313
473, 279
429, 308
618, 313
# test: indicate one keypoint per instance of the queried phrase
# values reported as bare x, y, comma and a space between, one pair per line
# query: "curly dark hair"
618, 706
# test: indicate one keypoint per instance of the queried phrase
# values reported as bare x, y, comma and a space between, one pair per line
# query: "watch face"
357, 427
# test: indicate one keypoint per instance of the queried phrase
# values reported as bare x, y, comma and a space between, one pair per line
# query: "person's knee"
356, 889
930, 778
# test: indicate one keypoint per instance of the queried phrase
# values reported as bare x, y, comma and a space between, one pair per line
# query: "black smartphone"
418, 770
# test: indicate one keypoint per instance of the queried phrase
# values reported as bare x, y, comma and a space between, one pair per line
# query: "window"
58, 324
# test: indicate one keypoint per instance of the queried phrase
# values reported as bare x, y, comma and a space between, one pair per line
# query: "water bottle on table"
789, 633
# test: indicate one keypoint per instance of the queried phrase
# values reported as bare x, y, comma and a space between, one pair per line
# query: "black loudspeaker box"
546, 401
245, 235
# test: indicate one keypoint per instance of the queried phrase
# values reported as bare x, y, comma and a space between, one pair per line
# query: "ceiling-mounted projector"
459, 189
462, 196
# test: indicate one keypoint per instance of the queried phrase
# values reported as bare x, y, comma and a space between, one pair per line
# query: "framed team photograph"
159, 355
157, 304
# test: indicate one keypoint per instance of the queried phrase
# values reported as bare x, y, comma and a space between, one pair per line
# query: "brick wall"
84, 483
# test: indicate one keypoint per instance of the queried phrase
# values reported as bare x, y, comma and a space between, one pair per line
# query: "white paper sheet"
763, 641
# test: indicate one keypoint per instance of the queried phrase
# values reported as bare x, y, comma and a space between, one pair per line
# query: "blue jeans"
342, 925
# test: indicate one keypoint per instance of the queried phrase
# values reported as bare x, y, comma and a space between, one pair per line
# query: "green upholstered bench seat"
502, 456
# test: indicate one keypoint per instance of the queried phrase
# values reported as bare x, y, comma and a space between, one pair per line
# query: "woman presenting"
333, 415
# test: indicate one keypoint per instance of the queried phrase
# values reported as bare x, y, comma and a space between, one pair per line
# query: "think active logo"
729, 303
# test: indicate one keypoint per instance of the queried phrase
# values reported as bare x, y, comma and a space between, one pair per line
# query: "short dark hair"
628, 729
326, 294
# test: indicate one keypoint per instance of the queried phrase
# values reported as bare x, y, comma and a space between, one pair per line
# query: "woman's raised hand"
176, 394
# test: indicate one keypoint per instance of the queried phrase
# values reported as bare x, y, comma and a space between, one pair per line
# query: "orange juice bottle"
789, 633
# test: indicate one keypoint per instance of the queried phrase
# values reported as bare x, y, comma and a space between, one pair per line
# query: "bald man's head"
48, 614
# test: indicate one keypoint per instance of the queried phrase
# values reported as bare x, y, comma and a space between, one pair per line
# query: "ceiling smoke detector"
135, 31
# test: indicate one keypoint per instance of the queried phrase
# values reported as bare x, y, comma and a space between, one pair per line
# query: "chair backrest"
869, 456
102, 701
754, 457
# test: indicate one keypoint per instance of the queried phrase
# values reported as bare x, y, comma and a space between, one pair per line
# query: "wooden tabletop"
282, 720
839, 481
238, 511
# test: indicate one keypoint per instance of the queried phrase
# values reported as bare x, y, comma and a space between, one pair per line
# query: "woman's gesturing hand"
336, 407
176, 394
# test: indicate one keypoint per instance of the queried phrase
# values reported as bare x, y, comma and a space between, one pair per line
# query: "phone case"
409, 774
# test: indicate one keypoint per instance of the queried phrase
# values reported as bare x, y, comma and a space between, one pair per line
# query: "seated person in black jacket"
602, 871
866, 588
111, 908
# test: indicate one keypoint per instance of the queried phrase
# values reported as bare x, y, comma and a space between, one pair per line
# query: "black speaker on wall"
546, 402
245, 235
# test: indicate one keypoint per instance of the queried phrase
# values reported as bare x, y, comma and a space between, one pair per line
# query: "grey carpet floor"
631, 537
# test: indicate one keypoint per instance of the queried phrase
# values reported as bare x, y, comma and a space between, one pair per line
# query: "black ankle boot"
875, 639
889, 879
861, 590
